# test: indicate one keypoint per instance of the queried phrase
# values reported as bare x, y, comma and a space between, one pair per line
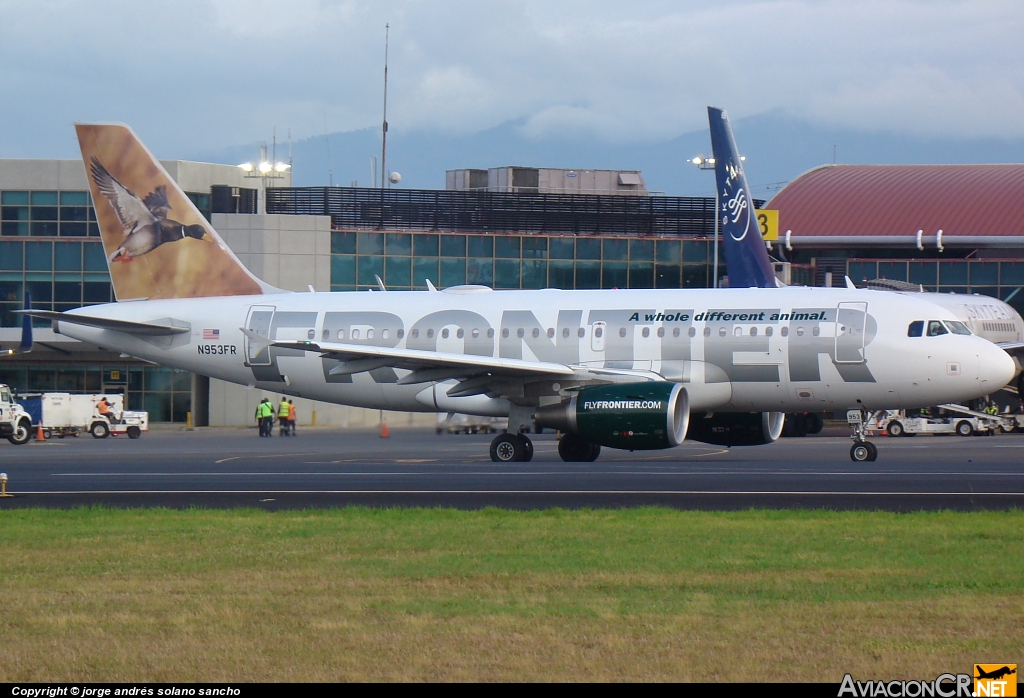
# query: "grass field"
644, 594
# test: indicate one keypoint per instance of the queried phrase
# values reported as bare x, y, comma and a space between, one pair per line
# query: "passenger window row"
645, 332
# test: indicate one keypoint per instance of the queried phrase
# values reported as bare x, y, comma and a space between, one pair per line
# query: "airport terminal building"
506, 228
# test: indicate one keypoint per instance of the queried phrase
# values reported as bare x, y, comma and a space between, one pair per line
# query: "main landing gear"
862, 449
511, 448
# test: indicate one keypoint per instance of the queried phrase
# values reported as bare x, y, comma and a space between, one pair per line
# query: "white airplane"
628, 369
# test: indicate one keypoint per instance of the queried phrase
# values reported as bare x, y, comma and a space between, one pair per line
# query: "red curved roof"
902, 199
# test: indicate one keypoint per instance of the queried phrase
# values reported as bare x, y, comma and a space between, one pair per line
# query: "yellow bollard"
188, 421
3, 486
314, 417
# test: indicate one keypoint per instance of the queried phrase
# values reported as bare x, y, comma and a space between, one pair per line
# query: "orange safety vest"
291, 411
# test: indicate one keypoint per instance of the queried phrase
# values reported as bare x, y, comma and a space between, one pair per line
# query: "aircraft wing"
1011, 347
140, 328
358, 358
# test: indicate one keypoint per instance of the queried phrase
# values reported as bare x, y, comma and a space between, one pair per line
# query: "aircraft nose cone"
996, 368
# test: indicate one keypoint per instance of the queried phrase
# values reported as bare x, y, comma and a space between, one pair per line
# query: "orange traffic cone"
40, 436
384, 433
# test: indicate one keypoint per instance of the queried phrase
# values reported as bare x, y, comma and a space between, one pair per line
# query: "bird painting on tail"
145, 221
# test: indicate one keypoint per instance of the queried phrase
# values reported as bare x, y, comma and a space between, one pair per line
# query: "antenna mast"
384, 139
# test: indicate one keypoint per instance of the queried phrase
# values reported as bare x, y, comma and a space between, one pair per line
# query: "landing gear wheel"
863, 451
895, 429
99, 430
507, 448
964, 428
527, 448
573, 448
22, 433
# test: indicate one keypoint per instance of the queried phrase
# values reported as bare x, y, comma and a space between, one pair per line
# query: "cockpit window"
957, 327
936, 328
916, 328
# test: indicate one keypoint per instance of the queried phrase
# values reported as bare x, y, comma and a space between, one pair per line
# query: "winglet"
430, 285
746, 258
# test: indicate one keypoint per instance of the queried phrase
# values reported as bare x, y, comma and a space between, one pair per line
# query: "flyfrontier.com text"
622, 405
943, 686
733, 316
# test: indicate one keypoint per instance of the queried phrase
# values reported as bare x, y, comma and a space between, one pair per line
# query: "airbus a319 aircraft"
627, 369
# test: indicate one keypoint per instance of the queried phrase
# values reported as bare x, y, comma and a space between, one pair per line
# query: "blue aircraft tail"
746, 259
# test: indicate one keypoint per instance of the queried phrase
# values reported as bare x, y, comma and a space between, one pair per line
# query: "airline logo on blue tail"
746, 258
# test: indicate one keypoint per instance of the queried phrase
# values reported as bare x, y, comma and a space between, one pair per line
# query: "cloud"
199, 74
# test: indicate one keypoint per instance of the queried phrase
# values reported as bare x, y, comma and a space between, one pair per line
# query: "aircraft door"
851, 319
259, 321
597, 335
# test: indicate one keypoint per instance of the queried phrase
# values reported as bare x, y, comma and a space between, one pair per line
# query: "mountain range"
778, 148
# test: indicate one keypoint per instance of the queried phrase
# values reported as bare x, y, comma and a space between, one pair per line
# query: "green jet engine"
736, 428
631, 416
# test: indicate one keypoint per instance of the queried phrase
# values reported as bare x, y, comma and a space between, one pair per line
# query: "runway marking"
809, 493
767, 473
268, 455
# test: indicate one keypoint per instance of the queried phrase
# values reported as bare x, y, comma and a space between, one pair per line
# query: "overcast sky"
194, 75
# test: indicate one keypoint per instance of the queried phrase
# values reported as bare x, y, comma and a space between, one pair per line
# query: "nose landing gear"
862, 449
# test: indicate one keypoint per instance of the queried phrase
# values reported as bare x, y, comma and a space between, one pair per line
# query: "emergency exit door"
259, 321
851, 319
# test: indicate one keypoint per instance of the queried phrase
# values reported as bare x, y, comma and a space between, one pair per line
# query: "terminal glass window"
453, 245
426, 246
506, 273
506, 246
343, 243
399, 244
423, 269
561, 248
615, 275
453, 271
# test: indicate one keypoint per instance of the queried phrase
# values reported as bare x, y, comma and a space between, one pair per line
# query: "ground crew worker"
104, 408
992, 409
282, 417
266, 411
291, 415
259, 416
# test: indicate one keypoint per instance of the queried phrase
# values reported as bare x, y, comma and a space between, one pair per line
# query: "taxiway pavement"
331, 467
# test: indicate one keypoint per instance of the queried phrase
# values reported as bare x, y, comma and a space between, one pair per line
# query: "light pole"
704, 163
264, 170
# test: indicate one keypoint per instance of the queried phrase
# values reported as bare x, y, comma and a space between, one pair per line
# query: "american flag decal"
211, 335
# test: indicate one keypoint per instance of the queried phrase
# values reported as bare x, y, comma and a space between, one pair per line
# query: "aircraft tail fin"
158, 244
746, 258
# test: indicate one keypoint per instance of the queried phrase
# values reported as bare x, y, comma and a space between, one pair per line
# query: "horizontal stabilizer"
138, 328
1011, 347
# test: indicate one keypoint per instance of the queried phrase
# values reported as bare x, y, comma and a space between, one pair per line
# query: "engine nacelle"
632, 416
737, 428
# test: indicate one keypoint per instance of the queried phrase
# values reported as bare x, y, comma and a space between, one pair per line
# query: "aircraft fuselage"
785, 350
